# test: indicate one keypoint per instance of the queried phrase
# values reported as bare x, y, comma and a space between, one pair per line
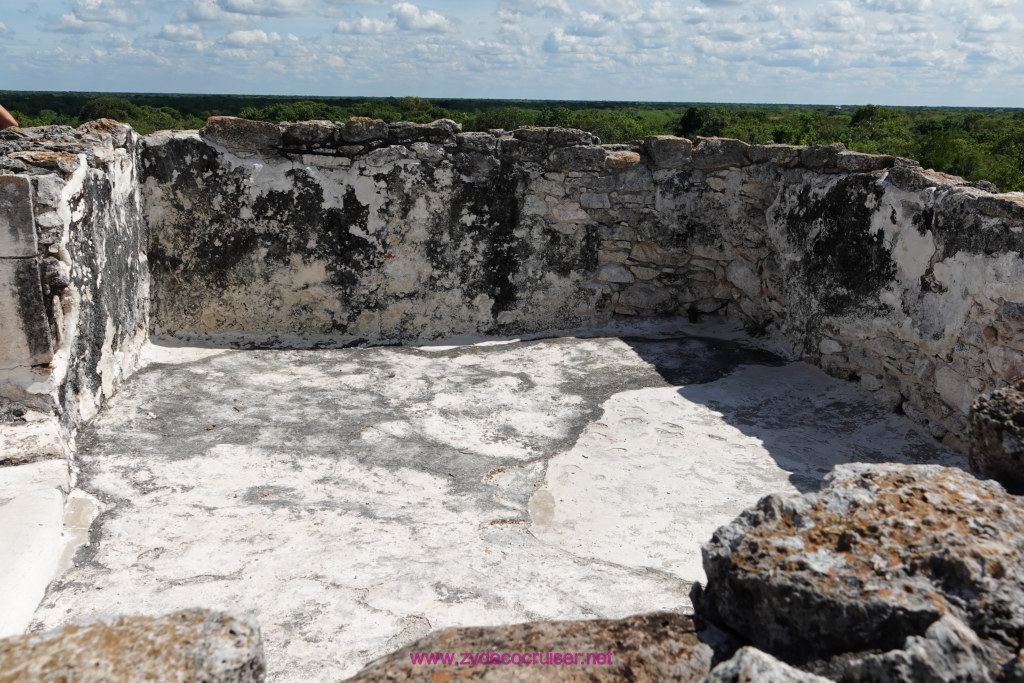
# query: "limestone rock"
580, 158
309, 134
652, 647
190, 645
667, 151
554, 137
622, 160
823, 158
997, 436
750, 664
442, 130
363, 129
646, 296
241, 134
870, 562
948, 651
713, 154
782, 155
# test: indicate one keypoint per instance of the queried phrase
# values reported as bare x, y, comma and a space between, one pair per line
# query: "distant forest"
977, 144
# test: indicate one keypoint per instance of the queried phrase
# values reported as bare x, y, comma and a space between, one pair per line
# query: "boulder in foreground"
191, 645
997, 436
650, 647
889, 573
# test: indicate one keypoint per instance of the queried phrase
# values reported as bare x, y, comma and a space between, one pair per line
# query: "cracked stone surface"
353, 500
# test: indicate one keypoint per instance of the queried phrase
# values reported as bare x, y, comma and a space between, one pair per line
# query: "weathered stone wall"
74, 313
365, 229
909, 281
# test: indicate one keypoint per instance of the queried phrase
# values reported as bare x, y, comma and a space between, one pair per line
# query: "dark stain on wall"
845, 264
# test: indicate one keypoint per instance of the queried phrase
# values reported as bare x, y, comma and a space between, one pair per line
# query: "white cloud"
894, 6
587, 24
180, 32
266, 8
559, 41
364, 26
249, 38
95, 16
210, 12
409, 17
3, 29
547, 8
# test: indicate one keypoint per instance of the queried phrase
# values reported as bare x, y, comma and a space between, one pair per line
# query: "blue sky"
909, 52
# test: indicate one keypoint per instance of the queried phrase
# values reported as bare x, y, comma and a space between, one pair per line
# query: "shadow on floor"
805, 420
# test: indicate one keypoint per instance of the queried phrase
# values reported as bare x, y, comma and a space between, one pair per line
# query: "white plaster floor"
353, 500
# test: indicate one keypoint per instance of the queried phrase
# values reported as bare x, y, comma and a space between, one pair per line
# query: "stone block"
612, 272
836, 572
827, 346
997, 436
593, 200
668, 151
647, 296
750, 664
309, 134
652, 647
190, 645
48, 190
241, 134
1006, 362
712, 154
822, 158
580, 158
483, 143
24, 325
442, 130
554, 137
363, 129
780, 155
858, 162
17, 227
744, 276
622, 160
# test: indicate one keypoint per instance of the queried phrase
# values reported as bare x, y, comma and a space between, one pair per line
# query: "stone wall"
381, 232
74, 282
906, 280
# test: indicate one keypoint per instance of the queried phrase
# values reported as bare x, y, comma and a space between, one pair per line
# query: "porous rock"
651, 647
871, 563
241, 134
997, 436
190, 645
750, 664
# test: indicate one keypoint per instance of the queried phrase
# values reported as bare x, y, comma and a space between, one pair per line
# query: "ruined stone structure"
906, 280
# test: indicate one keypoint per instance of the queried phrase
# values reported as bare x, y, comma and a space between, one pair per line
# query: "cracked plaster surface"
354, 499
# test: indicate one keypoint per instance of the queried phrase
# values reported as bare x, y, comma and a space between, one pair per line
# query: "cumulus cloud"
409, 17
587, 24
559, 41
364, 26
249, 38
404, 16
3, 29
909, 6
180, 32
547, 8
93, 16
266, 8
